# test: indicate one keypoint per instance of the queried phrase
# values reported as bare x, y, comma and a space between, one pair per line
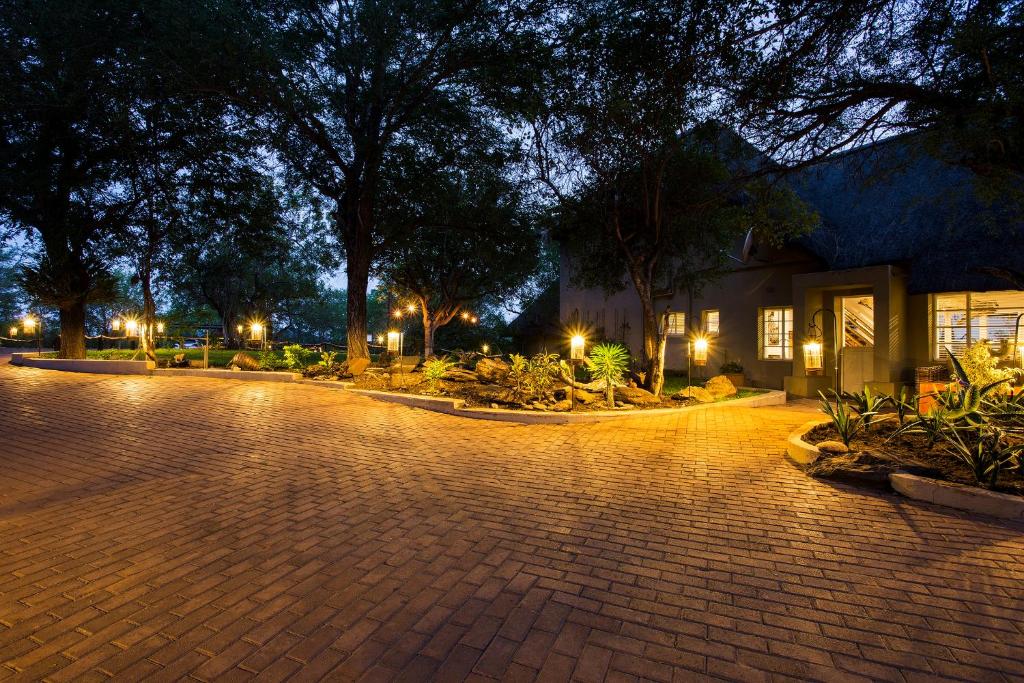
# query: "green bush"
984, 450
867, 404
608, 362
435, 369
298, 358
846, 421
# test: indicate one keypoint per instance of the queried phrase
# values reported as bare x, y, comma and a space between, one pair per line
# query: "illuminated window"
775, 334
677, 323
967, 317
709, 320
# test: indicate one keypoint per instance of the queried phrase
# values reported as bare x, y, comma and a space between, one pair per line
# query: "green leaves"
847, 422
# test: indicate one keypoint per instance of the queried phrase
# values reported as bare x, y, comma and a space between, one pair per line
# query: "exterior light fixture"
411, 308
394, 341
814, 359
115, 325
465, 315
159, 328
700, 351
486, 349
240, 328
576, 345
397, 313
131, 327
474, 320
29, 324
14, 330
256, 328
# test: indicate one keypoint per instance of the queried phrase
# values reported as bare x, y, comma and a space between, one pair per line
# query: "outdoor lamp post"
486, 349
814, 355
700, 351
159, 328
131, 327
30, 325
115, 325
14, 330
576, 347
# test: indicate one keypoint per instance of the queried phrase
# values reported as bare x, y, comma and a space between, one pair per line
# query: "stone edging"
222, 373
93, 365
458, 407
936, 491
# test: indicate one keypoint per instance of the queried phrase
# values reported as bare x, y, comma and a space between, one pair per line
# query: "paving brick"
163, 529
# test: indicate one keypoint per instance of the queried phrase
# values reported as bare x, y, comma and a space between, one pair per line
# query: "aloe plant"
867, 404
847, 422
608, 363
985, 451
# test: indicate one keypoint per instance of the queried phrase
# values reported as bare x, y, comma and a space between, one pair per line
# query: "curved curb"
91, 365
458, 407
935, 491
799, 450
220, 373
959, 496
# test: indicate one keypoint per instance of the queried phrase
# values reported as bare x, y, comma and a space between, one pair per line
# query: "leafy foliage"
847, 423
434, 370
608, 362
977, 365
984, 450
296, 357
867, 404
531, 377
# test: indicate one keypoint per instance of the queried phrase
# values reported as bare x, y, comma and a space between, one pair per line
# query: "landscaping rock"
696, 393
585, 397
600, 385
461, 375
719, 386
493, 370
407, 362
537, 405
244, 361
358, 366
832, 447
563, 406
636, 397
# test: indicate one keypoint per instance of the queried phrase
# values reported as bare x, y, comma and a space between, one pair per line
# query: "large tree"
344, 82
64, 122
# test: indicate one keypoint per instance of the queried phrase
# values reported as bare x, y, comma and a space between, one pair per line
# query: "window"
964, 318
709, 320
775, 334
858, 321
677, 323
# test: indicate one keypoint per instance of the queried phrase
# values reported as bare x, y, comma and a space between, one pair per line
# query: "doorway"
858, 325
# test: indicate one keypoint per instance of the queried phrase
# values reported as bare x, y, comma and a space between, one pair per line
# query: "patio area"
163, 528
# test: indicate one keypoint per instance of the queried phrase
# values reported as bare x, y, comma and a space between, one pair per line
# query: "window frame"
967, 325
704, 322
676, 330
787, 344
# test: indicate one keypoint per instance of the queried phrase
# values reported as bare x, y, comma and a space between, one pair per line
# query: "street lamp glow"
486, 349
159, 328
393, 341
700, 351
29, 323
240, 328
473, 320
576, 345
397, 313
131, 327
257, 330
14, 330
411, 308
465, 315
115, 325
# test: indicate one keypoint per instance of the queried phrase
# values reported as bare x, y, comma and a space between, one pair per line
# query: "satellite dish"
748, 246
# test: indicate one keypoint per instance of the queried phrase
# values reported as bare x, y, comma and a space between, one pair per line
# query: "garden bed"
876, 453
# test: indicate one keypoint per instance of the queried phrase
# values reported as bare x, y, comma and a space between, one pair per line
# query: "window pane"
777, 333
711, 323
994, 317
950, 324
677, 323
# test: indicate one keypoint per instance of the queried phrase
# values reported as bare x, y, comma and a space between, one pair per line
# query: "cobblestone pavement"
170, 528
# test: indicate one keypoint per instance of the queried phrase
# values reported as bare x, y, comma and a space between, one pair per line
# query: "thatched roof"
893, 203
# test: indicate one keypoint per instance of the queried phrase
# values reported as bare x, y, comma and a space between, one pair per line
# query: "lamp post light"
160, 328
814, 355
29, 324
14, 330
577, 344
486, 349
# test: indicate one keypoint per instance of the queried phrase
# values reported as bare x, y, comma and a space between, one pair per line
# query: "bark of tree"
148, 312
72, 330
355, 216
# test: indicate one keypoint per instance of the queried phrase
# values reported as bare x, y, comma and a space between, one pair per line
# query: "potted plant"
733, 369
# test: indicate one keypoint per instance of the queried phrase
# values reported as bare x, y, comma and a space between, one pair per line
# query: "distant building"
904, 257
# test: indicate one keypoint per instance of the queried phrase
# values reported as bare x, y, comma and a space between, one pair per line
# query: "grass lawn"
219, 358
677, 383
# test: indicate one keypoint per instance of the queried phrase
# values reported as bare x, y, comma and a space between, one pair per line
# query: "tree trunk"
429, 328
72, 330
148, 316
357, 268
655, 336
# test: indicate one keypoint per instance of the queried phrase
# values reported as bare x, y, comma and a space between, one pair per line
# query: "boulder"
461, 375
585, 397
493, 370
636, 397
719, 386
833, 447
244, 361
358, 366
600, 385
696, 393
563, 406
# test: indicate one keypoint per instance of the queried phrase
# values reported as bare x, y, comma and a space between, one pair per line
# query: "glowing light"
131, 327
814, 359
394, 339
486, 349
465, 315
159, 328
397, 313
411, 308
14, 331
576, 345
256, 328
473, 320
240, 328
29, 323
115, 324
700, 351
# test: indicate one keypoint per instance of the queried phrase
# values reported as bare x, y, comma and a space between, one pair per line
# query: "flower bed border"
936, 491
93, 365
455, 406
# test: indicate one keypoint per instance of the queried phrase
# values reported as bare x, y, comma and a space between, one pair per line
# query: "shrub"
846, 422
329, 359
298, 358
731, 367
977, 365
531, 377
985, 451
517, 376
268, 360
867, 404
435, 369
608, 362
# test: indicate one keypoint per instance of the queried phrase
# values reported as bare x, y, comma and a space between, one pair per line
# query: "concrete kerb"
102, 367
945, 493
458, 407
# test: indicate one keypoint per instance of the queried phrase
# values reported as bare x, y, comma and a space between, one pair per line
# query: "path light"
29, 323
700, 351
159, 328
14, 330
486, 349
131, 327
814, 359
115, 325
576, 345
257, 330
394, 338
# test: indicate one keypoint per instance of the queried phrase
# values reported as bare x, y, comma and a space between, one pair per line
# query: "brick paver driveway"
166, 528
